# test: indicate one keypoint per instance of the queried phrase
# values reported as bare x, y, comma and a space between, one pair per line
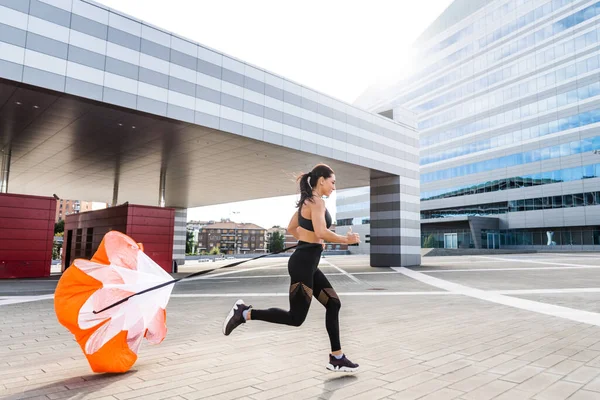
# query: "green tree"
429, 242
189, 243
59, 226
215, 251
276, 243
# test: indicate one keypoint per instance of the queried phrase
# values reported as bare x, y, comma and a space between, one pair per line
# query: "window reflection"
354, 221
543, 178
524, 110
564, 150
549, 55
503, 207
498, 34
542, 129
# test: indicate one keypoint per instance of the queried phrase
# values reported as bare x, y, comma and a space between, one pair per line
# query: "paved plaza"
506, 327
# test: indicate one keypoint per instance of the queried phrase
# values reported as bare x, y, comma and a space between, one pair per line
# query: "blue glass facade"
546, 153
530, 204
507, 100
475, 46
517, 182
522, 89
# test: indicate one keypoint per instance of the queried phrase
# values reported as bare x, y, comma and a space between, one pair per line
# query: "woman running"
310, 225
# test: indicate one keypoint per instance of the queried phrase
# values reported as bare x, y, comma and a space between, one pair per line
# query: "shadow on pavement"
71, 388
333, 384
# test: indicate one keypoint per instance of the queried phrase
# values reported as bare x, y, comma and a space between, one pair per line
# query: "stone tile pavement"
412, 340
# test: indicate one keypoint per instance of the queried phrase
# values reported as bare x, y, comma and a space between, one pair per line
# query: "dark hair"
309, 180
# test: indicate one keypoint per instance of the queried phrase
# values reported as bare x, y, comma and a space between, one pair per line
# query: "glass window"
580, 42
568, 200
557, 202
529, 205
547, 176
581, 67
545, 152
561, 99
594, 89
569, 46
589, 199
546, 202
583, 92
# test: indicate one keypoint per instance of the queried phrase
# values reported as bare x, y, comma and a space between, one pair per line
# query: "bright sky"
336, 47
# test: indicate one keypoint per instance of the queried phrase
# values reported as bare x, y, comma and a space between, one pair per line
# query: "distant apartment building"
232, 238
196, 225
290, 240
68, 207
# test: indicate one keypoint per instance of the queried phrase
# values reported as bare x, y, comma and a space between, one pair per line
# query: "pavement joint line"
494, 297
218, 277
355, 279
232, 272
426, 262
547, 291
541, 262
6, 300
576, 255
471, 260
286, 294
23, 299
511, 269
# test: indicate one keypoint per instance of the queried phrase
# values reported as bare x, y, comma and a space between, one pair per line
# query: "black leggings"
307, 280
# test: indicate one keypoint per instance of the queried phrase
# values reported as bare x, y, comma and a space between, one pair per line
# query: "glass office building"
507, 98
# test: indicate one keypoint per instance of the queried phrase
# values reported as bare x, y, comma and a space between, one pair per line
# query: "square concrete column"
180, 235
395, 221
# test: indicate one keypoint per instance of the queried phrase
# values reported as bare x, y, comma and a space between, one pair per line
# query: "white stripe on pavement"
7, 300
542, 308
542, 262
508, 269
355, 279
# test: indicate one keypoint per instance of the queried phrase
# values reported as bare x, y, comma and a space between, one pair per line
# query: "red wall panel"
26, 235
152, 226
158, 222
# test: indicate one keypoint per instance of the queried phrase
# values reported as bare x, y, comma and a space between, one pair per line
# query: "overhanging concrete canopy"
77, 147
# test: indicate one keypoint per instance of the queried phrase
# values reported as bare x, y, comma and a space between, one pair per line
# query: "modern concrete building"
507, 97
353, 209
129, 112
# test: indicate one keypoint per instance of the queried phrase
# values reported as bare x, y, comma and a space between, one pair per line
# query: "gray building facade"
353, 210
507, 98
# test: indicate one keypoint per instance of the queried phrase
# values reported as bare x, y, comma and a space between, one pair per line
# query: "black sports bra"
307, 223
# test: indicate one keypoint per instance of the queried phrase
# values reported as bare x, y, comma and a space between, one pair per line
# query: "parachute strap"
235, 264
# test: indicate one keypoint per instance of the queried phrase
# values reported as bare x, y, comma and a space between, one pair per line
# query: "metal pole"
5, 170
115, 198
162, 187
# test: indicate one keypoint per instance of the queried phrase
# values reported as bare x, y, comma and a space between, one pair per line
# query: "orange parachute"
110, 339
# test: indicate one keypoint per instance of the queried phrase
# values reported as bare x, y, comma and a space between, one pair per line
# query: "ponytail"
306, 184
309, 180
